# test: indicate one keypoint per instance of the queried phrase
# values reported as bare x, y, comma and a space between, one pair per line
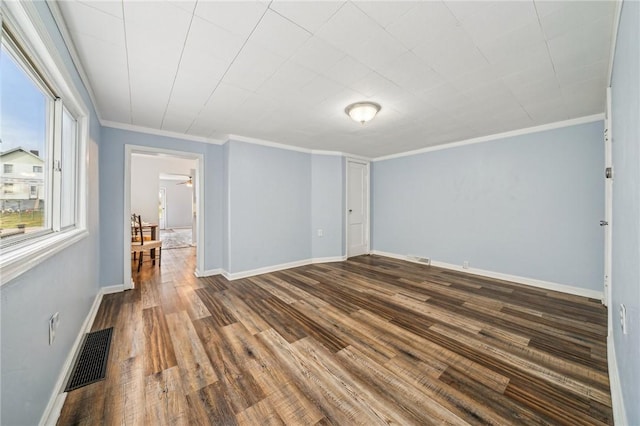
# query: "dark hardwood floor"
369, 341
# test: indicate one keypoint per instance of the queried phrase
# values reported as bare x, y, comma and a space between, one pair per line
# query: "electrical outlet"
623, 318
465, 264
53, 326
320, 232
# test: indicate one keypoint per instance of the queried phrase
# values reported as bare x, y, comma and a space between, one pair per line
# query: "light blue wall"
625, 277
269, 206
526, 205
112, 196
66, 283
327, 206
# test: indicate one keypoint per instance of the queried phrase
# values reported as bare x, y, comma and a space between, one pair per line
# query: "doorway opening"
164, 188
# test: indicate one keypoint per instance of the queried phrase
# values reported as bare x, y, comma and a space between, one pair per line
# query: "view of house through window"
23, 149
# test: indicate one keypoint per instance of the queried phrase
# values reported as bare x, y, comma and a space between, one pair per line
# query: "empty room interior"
320, 212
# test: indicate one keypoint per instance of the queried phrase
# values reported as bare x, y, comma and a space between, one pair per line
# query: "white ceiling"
284, 71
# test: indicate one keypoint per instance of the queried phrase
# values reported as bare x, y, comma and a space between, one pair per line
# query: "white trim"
614, 40
329, 259
488, 138
58, 396
265, 270
157, 132
207, 273
19, 260
617, 399
562, 288
199, 179
271, 144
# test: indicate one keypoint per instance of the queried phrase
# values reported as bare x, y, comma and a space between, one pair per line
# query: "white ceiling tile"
425, 21
317, 55
547, 110
583, 46
289, 78
455, 64
542, 71
531, 58
349, 28
448, 43
320, 88
569, 75
310, 15
573, 15
253, 66
210, 40
113, 8
346, 71
378, 50
498, 19
410, 72
237, 17
89, 21
512, 43
384, 12
279, 35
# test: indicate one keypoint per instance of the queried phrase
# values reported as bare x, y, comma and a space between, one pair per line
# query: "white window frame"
24, 22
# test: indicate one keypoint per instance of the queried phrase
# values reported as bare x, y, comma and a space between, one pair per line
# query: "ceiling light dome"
362, 111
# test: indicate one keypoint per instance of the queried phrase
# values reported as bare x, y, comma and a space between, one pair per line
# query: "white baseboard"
265, 270
577, 291
207, 273
56, 401
617, 400
329, 259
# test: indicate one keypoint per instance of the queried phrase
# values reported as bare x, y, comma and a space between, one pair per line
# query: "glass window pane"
69, 163
23, 150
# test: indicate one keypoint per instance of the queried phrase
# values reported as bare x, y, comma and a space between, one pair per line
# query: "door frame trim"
367, 194
126, 219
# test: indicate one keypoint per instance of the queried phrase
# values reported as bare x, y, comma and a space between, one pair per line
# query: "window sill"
17, 261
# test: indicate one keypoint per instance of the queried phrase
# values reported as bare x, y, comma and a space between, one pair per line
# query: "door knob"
350, 210
603, 223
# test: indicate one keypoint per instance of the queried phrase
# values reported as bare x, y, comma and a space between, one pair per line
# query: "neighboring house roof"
11, 151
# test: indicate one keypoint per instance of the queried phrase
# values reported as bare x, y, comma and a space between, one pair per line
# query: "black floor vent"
91, 365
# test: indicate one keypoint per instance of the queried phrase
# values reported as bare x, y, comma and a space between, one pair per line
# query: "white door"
162, 208
608, 201
357, 208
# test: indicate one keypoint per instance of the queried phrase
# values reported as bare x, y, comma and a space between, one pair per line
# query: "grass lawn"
30, 219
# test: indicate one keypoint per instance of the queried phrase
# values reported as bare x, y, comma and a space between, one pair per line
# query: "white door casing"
608, 202
357, 208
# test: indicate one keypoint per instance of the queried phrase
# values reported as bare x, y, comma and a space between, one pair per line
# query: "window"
43, 196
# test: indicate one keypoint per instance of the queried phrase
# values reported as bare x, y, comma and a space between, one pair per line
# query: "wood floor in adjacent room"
368, 341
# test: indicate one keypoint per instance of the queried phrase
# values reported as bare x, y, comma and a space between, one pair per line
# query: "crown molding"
157, 132
271, 144
488, 138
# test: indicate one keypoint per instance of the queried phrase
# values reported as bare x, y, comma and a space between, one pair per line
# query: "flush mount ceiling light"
362, 111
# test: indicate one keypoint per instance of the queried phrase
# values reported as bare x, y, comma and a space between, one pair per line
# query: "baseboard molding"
329, 259
52, 411
547, 285
113, 289
617, 400
265, 270
207, 273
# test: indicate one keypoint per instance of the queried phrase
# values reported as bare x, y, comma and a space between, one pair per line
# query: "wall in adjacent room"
145, 184
625, 277
179, 203
526, 205
66, 283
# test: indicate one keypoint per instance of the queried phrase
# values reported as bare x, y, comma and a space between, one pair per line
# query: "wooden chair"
140, 244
